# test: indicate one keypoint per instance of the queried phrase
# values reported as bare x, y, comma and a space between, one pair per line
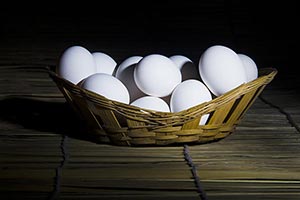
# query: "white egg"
75, 64
190, 93
107, 86
221, 69
186, 66
156, 75
151, 103
250, 67
104, 63
125, 73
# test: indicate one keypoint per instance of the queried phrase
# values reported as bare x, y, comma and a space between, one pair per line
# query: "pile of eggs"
155, 81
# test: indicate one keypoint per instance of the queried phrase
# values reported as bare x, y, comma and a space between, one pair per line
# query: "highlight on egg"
250, 67
190, 93
157, 75
107, 86
104, 63
75, 64
221, 69
125, 73
151, 103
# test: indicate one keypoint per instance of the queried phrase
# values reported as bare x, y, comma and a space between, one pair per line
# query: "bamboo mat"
44, 154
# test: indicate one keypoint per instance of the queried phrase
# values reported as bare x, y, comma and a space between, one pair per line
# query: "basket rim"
148, 127
266, 75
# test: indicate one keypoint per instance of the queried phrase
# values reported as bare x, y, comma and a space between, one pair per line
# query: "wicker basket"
117, 123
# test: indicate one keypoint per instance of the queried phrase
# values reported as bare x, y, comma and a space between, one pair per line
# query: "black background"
266, 32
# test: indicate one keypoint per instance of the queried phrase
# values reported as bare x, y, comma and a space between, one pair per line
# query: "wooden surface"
44, 153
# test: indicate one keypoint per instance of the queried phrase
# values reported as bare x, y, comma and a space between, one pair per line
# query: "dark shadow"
51, 117
42, 116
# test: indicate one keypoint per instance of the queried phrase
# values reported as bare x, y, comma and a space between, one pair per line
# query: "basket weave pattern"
113, 122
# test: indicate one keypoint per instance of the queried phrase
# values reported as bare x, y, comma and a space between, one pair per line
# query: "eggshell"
250, 67
186, 66
151, 103
156, 75
107, 86
104, 63
221, 69
125, 73
190, 93
75, 64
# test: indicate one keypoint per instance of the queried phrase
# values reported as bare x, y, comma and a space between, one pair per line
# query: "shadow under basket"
116, 123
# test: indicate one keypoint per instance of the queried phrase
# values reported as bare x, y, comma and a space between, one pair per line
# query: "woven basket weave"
116, 123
